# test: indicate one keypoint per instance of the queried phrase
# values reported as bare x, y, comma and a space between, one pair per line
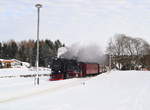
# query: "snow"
115, 90
16, 72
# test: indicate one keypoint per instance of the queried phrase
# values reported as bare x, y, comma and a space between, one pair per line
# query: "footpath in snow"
116, 90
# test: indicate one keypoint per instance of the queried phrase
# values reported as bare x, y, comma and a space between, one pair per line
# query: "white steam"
90, 53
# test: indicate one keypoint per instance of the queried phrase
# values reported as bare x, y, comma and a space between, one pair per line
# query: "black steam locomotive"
65, 68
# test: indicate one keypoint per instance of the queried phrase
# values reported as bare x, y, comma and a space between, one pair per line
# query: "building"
12, 63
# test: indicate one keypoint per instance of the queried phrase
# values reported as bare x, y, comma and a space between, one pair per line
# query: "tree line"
128, 53
26, 50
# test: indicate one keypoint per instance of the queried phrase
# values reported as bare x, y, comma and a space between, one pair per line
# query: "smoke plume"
90, 53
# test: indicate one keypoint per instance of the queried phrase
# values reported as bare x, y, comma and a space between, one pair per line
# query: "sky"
75, 21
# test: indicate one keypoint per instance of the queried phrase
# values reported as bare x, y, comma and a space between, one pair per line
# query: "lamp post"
110, 61
38, 6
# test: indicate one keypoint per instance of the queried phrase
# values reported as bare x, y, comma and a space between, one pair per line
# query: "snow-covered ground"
116, 90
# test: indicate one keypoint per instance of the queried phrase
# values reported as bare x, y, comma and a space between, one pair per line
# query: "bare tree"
116, 48
127, 51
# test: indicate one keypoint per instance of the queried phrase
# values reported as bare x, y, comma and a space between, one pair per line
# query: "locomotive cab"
72, 69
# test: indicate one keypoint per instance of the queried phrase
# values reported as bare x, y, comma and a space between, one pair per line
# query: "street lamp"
110, 61
38, 6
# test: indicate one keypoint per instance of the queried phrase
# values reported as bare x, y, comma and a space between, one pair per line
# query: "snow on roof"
7, 60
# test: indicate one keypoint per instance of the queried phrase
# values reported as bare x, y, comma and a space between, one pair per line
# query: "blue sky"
72, 21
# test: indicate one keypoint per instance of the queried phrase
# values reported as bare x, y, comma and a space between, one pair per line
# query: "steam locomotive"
64, 68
